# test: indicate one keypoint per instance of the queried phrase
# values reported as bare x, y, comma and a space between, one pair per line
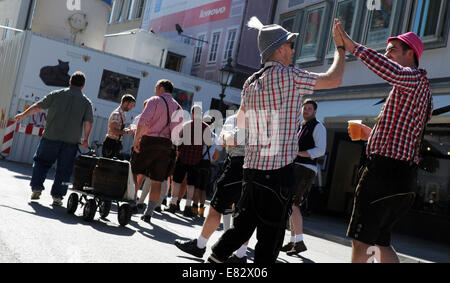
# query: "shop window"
313, 34
113, 7
433, 193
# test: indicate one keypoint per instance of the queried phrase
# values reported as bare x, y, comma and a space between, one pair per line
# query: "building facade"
362, 96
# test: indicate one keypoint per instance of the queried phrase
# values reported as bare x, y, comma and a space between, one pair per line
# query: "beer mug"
354, 129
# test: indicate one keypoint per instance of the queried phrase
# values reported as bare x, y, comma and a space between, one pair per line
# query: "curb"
348, 242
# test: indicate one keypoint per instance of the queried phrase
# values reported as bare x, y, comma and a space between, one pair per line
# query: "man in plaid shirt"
385, 191
271, 104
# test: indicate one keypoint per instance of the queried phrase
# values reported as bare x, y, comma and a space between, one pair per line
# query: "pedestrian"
210, 154
385, 190
69, 113
228, 190
312, 142
190, 150
271, 110
154, 153
112, 145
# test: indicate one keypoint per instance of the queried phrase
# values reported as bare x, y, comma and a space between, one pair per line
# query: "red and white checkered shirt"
407, 110
272, 99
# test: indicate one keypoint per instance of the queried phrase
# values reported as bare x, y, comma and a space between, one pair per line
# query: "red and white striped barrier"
12, 127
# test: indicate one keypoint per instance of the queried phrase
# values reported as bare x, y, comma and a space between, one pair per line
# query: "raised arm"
333, 77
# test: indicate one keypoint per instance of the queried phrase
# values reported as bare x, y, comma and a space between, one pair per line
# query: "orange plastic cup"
354, 129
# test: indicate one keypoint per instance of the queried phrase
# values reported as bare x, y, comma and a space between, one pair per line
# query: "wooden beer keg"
110, 177
82, 174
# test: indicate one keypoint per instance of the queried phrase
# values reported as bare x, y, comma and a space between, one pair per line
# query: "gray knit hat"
270, 37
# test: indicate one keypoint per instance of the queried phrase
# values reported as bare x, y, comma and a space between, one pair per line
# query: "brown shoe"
297, 248
287, 247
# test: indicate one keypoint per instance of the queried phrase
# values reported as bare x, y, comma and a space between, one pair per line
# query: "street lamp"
225, 77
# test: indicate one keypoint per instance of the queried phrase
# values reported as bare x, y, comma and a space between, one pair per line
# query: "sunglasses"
291, 44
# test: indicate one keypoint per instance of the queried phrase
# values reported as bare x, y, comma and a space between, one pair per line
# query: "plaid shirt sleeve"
304, 81
404, 78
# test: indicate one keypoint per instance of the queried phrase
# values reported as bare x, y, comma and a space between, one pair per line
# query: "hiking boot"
146, 218
287, 247
164, 202
297, 248
158, 209
188, 211
195, 210
35, 195
235, 259
57, 201
172, 208
190, 247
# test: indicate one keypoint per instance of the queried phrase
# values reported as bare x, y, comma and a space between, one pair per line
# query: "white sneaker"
35, 195
57, 201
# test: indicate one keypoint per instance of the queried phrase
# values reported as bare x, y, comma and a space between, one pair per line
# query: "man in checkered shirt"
271, 104
386, 189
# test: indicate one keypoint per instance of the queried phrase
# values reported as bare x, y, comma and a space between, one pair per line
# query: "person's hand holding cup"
358, 131
354, 129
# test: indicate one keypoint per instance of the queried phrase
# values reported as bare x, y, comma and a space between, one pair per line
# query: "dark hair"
128, 98
312, 102
166, 84
405, 48
78, 79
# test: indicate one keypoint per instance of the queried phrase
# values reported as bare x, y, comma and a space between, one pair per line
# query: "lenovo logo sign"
212, 12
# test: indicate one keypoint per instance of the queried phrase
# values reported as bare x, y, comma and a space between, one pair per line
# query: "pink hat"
413, 41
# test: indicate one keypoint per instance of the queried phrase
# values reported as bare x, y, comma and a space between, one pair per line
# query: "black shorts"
204, 174
181, 170
303, 181
385, 193
228, 188
111, 148
153, 160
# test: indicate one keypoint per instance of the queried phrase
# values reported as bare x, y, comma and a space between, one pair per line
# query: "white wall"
51, 19
148, 48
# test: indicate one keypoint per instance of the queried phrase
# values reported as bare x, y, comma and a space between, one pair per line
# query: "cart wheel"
90, 208
104, 208
124, 215
72, 203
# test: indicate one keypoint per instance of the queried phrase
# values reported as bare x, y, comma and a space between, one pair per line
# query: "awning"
363, 108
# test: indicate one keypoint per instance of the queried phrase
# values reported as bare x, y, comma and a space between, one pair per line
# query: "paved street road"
37, 232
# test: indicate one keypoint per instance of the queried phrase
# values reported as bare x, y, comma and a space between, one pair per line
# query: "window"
429, 18
174, 62
214, 47
290, 22
7, 32
347, 11
119, 11
139, 9
199, 49
312, 46
381, 24
111, 16
130, 9
229, 47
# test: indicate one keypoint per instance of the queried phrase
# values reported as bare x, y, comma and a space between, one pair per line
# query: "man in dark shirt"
69, 112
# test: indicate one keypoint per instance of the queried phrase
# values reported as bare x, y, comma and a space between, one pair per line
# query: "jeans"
263, 206
46, 154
